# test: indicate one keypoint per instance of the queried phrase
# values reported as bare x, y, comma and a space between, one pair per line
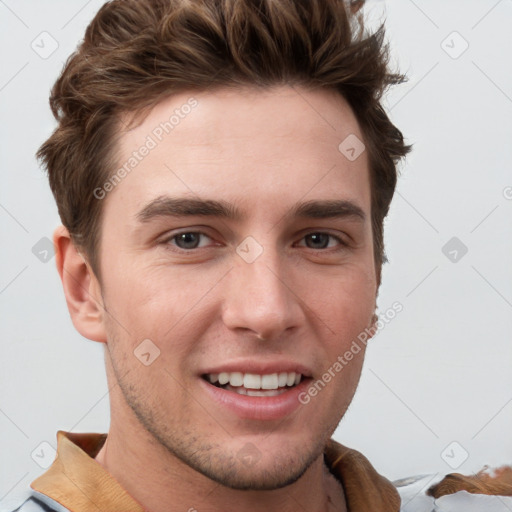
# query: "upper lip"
259, 368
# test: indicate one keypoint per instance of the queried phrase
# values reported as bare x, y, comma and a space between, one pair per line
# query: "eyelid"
170, 237
337, 237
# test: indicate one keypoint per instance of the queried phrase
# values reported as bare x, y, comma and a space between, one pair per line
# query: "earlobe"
81, 288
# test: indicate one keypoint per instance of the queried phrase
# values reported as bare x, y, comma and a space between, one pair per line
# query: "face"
236, 255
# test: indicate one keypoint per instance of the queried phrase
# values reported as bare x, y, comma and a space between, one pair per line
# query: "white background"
439, 372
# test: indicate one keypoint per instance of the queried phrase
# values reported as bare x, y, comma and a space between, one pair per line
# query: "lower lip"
258, 407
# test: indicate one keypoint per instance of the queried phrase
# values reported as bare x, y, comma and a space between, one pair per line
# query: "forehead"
279, 144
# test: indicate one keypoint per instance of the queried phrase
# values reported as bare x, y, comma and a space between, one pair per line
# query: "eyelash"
167, 241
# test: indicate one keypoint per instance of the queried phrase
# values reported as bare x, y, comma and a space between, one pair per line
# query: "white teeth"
252, 381
268, 392
269, 381
255, 392
236, 379
223, 378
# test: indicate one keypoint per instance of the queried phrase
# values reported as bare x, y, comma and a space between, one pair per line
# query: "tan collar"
80, 484
365, 490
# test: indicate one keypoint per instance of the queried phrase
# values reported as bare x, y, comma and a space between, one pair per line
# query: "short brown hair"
137, 52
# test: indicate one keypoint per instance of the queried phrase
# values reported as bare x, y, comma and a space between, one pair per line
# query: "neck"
161, 482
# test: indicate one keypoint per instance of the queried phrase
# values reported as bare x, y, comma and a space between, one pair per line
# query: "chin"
265, 474
241, 465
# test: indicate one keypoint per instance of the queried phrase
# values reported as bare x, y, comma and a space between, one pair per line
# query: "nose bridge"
259, 299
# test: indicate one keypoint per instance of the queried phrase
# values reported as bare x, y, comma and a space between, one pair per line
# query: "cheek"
345, 301
158, 299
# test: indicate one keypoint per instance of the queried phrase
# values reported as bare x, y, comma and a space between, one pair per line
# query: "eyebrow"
327, 209
165, 206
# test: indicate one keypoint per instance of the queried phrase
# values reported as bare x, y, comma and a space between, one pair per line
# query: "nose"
259, 298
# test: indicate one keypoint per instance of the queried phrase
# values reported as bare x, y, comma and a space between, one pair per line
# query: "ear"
375, 319
81, 288
372, 328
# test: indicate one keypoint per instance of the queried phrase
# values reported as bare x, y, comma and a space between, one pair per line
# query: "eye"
187, 240
320, 240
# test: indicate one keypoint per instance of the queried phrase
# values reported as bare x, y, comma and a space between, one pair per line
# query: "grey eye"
187, 240
318, 240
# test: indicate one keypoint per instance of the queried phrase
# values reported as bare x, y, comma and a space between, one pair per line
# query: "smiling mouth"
252, 384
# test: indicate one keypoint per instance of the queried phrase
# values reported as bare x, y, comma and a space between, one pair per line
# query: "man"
222, 169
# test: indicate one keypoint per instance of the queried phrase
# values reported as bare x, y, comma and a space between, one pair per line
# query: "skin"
307, 298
